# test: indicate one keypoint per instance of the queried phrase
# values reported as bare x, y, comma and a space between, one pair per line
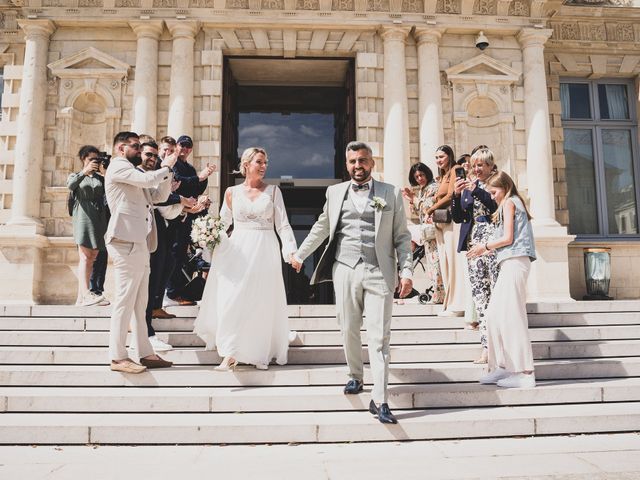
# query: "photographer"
89, 220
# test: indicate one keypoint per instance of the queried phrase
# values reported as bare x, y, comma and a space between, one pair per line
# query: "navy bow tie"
356, 187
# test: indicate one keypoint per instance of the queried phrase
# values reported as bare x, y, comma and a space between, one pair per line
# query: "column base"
549, 276
21, 253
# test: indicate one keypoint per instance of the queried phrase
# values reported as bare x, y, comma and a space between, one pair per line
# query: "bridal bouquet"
207, 231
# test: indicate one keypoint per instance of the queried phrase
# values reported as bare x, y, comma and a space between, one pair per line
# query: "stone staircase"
55, 387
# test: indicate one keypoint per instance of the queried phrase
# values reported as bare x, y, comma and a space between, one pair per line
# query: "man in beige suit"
368, 242
130, 237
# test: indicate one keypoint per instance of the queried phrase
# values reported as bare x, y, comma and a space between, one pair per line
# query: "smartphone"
461, 173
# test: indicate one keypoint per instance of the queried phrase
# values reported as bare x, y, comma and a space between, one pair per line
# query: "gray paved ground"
593, 457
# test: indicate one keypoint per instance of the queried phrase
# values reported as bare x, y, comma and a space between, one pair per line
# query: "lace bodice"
264, 212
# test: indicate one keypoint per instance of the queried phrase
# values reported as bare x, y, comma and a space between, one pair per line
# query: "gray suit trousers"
363, 290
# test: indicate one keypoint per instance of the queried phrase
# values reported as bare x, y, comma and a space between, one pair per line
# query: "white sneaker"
450, 313
104, 302
495, 376
293, 336
158, 345
169, 302
262, 366
518, 380
90, 299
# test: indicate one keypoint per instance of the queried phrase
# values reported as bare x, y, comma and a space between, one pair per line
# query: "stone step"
306, 427
326, 338
410, 322
297, 375
9, 310
19, 355
318, 398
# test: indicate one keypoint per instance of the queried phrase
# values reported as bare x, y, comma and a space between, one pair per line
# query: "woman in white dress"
243, 313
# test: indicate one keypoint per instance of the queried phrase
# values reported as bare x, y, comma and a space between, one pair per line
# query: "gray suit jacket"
131, 195
393, 240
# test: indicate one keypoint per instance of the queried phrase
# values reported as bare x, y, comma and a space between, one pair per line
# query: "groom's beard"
135, 161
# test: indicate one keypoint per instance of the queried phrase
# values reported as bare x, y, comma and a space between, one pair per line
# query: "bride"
243, 313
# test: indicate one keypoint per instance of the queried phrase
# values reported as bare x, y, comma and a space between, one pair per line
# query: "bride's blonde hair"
247, 156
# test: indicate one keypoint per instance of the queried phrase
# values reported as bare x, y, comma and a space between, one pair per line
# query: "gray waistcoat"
356, 235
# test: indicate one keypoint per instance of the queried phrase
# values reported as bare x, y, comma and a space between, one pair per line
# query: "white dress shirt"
360, 198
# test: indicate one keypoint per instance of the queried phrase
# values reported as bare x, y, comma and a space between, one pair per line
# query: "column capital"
530, 37
391, 33
180, 28
428, 34
147, 29
37, 28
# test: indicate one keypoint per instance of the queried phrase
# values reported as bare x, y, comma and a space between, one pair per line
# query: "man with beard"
131, 235
192, 185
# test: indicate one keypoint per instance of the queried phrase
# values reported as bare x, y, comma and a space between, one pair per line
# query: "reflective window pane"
300, 145
613, 101
581, 183
575, 101
621, 194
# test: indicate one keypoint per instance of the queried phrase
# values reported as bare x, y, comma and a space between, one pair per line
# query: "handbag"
442, 215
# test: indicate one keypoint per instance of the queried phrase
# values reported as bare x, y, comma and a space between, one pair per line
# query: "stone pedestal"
145, 92
181, 90
429, 96
396, 107
549, 278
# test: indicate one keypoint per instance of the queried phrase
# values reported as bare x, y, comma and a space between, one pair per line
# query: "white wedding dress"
243, 312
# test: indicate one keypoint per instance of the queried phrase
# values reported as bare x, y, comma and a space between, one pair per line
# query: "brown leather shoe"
153, 363
161, 313
183, 302
127, 366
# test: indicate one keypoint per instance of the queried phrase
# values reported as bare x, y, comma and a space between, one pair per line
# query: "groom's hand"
406, 285
295, 264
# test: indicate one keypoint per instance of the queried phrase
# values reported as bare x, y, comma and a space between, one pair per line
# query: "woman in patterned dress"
421, 176
472, 206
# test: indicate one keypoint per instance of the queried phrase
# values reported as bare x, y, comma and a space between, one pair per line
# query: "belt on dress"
482, 219
239, 226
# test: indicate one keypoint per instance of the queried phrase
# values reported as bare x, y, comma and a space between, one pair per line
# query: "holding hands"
297, 266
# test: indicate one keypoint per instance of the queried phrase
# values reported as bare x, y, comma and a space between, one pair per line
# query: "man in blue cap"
192, 185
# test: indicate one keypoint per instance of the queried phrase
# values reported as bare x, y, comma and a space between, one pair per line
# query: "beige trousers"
452, 265
363, 290
131, 278
507, 324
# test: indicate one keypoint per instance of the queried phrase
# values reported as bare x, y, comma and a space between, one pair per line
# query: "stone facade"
79, 70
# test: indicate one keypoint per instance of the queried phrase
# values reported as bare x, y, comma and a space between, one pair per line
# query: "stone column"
145, 92
429, 98
549, 277
537, 126
396, 107
27, 176
181, 90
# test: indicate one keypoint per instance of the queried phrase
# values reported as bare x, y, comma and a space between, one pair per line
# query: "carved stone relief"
570, 31
127, 4
201, 3
343, 5
594, 32
308, 4
519, 8
485, 7
614, 3
378, 5
237, 4
272, 4
413, 6
164, 4
620, 32
53, 3
448, 6
90, 3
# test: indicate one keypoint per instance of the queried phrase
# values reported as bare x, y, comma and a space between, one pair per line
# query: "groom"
368, 241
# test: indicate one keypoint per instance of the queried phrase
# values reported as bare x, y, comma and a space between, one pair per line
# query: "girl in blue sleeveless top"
510, 355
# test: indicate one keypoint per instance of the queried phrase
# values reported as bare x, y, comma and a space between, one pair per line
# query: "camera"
103, 159
461, 173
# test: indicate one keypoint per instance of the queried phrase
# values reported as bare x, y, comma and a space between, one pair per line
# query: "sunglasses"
149, 154
135, 146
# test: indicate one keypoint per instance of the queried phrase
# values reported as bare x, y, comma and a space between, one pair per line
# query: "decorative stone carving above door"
483, 111
90, 85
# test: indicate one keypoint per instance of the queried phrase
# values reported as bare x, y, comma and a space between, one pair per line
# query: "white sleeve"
226, 214
285, 232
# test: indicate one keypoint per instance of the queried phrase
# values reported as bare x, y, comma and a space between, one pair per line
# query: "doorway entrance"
302, 112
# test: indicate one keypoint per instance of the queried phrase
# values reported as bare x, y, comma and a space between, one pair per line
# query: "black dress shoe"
353, 387
383, 413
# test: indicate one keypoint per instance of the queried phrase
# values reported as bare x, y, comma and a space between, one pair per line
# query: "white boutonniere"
378, 203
